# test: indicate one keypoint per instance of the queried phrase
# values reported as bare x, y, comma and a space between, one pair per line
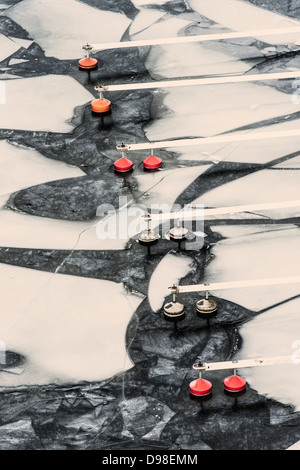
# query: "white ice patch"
21, 168
293, 163
258, 256
164, 187
25, 43
42, 103
262, 151
209, 110
170, 27
264, 186
16, 61
188, 60
43, 232
69, 328
61, 28
273, 334
240, 16
170, 270
145, 19
7, 47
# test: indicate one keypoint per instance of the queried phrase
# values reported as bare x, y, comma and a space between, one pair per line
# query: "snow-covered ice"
42, 103
256, 256
271, 334
265, 186
170, 270
7, 47
209, 110
28, 231
68, 328
260, 151
22, 167
145, 19
61, 28
164, 187
240, 16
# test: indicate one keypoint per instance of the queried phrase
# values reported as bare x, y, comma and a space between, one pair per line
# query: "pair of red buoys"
150, 163
202, 387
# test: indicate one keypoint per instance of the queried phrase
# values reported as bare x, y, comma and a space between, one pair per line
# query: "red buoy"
123, 164
100, 105
234, 383
200, 387
152, 162
88, 63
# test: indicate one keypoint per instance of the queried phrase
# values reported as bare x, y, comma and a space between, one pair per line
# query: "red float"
100, 105
200, 387
88, 63
234, 383
123, 164
152, 162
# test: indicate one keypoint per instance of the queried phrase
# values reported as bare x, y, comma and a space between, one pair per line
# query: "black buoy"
178, 233
206, 308
174, 309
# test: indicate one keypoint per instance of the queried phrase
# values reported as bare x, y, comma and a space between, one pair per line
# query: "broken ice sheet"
240, 16
272, 334
170, 270
42, 103
68, 328
22, 167
273, 254
61, 28
209, 110
266, 186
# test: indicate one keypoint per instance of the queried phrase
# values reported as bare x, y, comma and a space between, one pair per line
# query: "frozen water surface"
169, 271
63, 324
42, 103
61, 28
68, 328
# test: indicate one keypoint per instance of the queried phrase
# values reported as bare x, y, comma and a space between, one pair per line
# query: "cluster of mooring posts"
205, 307
152, 162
